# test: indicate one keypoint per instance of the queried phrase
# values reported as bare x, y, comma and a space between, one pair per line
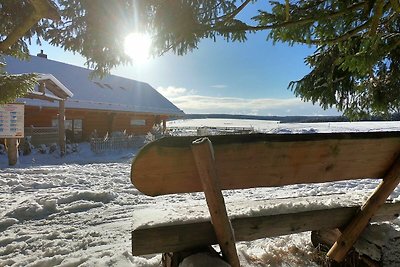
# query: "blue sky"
221, 77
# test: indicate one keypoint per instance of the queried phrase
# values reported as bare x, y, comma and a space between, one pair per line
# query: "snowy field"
277, 127
77, 211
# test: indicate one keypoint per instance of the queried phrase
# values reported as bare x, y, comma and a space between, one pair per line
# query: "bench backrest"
167, 166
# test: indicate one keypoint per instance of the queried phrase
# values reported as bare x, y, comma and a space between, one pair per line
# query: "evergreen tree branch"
41, 9
15, 85
292, 23
287, 10
349, 34
205, 11
396, 5
340, 38
391, 47
377, 16
311, 5
237, 11
232, 15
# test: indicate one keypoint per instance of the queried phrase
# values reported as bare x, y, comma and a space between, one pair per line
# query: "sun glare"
137, 47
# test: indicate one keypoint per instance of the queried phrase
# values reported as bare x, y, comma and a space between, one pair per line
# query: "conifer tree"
355, 67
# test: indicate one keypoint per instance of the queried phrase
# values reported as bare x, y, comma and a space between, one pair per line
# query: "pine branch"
15, 85
287, 10
292, 23
396, 5
209, 9
237, 11
230, 16
350, 33
41, 9
340, 38
391, 47
377, 16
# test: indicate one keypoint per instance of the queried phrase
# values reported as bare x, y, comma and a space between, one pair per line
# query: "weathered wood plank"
178, 237
204, 158
357, 224
167, 166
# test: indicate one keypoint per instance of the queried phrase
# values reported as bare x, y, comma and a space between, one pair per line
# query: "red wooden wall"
102, 121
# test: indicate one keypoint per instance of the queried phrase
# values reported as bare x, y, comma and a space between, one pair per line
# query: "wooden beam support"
353, 230
179, 237
42, 87
204, 158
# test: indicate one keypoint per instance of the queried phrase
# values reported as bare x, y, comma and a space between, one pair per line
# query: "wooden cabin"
97, 106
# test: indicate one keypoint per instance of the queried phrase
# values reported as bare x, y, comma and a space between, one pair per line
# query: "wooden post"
164, 126
111, 117
61, 126
42, 87
358, 223
205, 162
12, 150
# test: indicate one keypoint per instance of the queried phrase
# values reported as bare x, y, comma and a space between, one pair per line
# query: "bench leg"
204, 157
353, 230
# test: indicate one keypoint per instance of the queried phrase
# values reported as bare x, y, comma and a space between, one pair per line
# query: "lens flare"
137, 47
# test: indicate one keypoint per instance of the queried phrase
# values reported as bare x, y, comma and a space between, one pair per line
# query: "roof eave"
67, 93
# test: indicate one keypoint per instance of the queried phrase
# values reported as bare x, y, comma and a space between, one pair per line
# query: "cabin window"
73, 129
136, 122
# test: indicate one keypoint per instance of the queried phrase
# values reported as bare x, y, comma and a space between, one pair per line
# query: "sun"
137, 46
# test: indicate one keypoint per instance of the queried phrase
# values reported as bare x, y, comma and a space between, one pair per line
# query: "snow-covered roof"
111, 93
53, 90
42, 96
55, 86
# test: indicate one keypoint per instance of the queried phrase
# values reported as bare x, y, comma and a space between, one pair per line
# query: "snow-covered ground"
277, 127
77, 210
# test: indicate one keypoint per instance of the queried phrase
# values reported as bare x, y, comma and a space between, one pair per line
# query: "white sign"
12, 121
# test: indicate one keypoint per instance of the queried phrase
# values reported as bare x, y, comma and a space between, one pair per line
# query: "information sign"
12, 120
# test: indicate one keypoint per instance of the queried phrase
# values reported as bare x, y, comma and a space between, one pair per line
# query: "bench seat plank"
167, 165
266, 218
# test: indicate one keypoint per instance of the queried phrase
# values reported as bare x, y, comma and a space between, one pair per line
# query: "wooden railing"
42, 135
99, 145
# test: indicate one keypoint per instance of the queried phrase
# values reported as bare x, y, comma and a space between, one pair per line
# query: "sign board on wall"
11, 120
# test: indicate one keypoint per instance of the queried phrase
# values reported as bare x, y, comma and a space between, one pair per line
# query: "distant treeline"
287, 119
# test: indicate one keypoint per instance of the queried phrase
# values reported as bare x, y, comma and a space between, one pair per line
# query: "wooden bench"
174, 165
